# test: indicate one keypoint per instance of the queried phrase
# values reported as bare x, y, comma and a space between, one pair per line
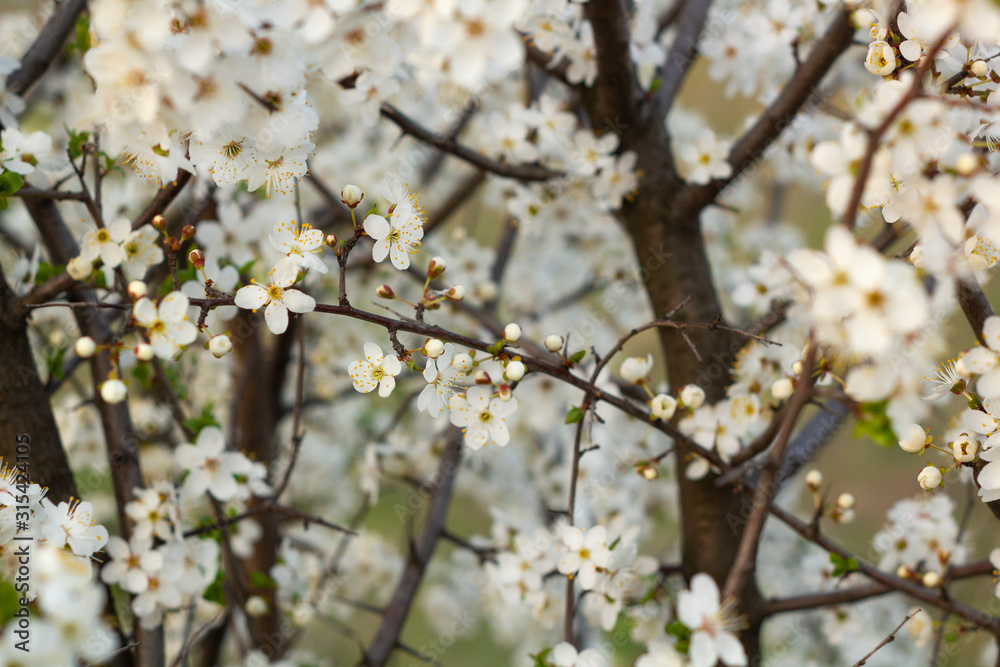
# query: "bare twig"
891, 638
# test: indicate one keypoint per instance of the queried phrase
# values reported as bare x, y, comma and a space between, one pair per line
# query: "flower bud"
914, 439
433, 348
187, 232
844, 516
979, 69
964, 448
482, 377
553, 342
647, 470
931, 579
966, 164
929, 478
904, 572
692, 396
385, 292
512, 333
220, 345
917, 258
663, 406
78, 269
197, 259
814, 478
462, 362
137, 289
505, 393
113, 391
436, 267
782, 389
256, 606
845, 501
455, 293
351, 195
486, 291
85, 347
797, 368
331, 240
159, 223
515, 371
144, 352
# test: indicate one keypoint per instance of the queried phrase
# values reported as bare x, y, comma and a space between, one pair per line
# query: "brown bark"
24, 406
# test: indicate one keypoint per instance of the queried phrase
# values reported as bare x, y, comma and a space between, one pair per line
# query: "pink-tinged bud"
137, 289
187, 232
144, 352
455, 293
385, 292
220, 345
197, 259
159, 223
435, 268
505, 392
331, 240
351, 195
482, 377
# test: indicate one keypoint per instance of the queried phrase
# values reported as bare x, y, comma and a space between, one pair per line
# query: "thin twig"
888, 640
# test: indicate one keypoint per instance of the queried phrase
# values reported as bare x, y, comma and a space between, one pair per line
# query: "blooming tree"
623, 326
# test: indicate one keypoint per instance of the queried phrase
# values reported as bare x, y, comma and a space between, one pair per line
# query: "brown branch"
289, 513
793, 97
684, 50
521, 172
746, 554
616, 88
916, 89
387, 636
46, 47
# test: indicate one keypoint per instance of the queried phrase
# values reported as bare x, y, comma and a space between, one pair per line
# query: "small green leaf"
842, 566
541, 658
873, 422
10, 601
260, 580
76, 142
246, 267
47, 271
10, 182
206, 418
682, 633
574, 415
215, 591
578, 357
54, 362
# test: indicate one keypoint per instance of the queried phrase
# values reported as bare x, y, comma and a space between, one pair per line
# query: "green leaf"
215, 591
246, 267
574, 415
142, 372
578, 357
682, 633
260, 580
873, 422
82, 34
206, 418
10, 182
842, 566
495, 347
10, 601
47, 271
540, 658
76, 142
54, 362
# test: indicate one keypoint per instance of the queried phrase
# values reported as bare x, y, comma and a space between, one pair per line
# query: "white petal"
276, 317
174, 307
298, 302
377, 227
251, 297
